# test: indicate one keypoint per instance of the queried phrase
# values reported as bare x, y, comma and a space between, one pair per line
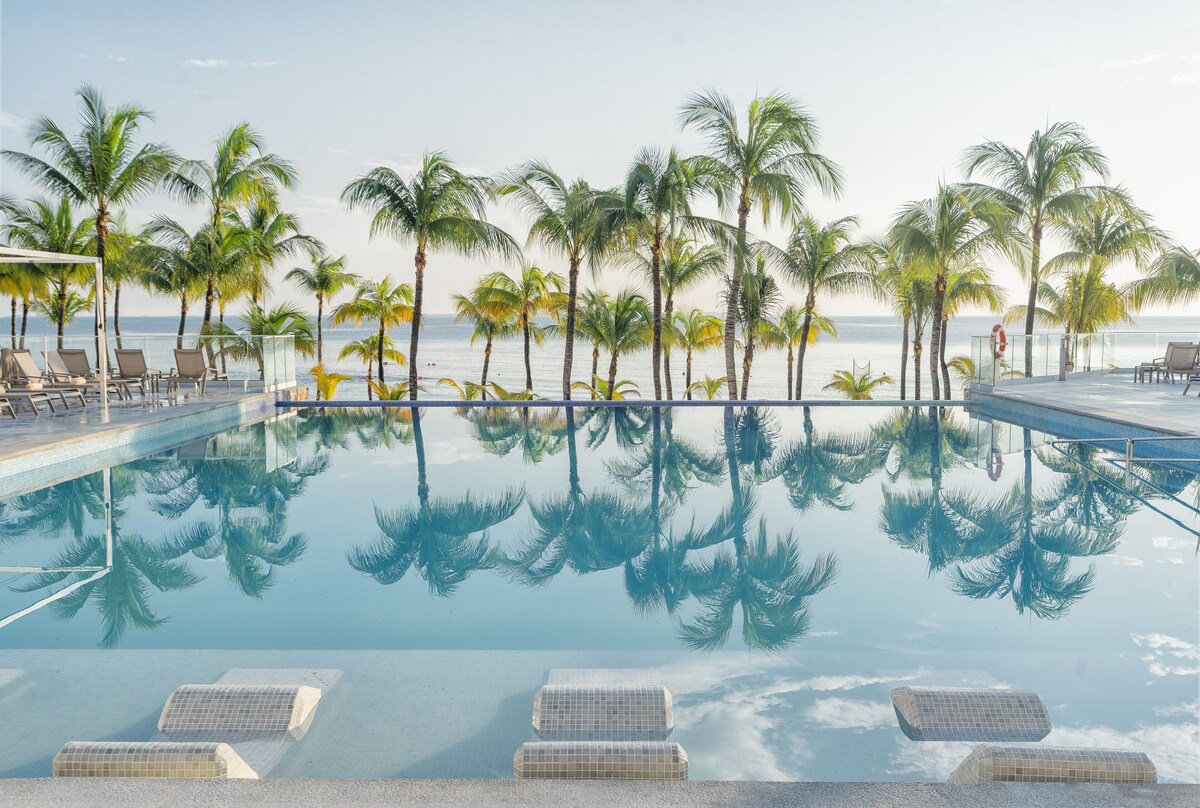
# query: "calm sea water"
778, 570
446, 352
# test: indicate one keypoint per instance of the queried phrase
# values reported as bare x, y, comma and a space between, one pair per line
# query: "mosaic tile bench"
150, 759
230, 712
1052, 764
968, 714
600, 760
593, 713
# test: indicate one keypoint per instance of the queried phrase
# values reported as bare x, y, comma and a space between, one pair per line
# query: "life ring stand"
999, 340
996, 467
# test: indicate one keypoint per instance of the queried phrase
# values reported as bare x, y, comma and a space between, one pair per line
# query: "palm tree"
857, 388
20, 281
710, 387
1173, 277
439, 208
382, 302
682, 266
434, 537
273, 235
593, 305
1041, 184
644, 213
489, 323
622, 325
816, 470
906, 283
130, 255
971, 285
368, 349
241, 173
324, 279
823, 258
951, 231
695, 332
521, 300
788, 331
539, 433
564, 218
760, 297
326, 381
178, 271
102, 167
284, 320
768, 163
61, 313
49, 227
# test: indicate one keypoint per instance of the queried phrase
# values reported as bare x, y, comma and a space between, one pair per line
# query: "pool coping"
617, 794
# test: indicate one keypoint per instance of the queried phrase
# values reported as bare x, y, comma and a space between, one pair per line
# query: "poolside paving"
617, 794
1109, 397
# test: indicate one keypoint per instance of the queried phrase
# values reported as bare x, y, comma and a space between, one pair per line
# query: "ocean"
445, 352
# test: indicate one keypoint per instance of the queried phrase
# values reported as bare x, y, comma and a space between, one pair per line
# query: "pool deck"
40, 451
1095, 405
616, 794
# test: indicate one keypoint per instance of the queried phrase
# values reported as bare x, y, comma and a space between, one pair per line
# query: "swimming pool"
445, 560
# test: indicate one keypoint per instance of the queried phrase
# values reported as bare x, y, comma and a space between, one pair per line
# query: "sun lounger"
1180, 361
61, 372
30, 397
29, 374
76, 362
131, 369
189, 367
1155, 369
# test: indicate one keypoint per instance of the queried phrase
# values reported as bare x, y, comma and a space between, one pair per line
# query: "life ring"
996, 467
999, 340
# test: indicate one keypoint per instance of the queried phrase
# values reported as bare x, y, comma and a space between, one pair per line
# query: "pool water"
779, 570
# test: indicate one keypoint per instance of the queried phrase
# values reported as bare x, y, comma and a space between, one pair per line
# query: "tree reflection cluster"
710, 577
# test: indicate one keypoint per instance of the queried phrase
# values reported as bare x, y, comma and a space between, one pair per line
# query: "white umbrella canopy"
12, 255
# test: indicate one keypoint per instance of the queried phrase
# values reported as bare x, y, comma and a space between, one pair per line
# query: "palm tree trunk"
612, 377
101, 252
595, 364
569, 348
747, 361
528, 368
805, 328
13, 321
687, 378
1035, 258
370, 377
320, 334
791, 362
942, 358
419, 445
62, 312
668, 309
904, 360
183, 308
418, 299
221, 320
24, 318
379, 356
917, 349
935, 337
735, 286
487, 360
117, 311
656, 304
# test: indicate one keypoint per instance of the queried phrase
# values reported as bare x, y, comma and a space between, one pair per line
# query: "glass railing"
1041, 356
250, 363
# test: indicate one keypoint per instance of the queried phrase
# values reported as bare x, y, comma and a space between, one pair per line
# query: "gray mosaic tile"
150, 759
605, 712
600, 760
602, 677
231, 712
970, 714
1052, 764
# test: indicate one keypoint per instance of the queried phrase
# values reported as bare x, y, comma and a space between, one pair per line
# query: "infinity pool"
779, 570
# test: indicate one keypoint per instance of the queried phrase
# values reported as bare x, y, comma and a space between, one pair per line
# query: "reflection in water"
677, 513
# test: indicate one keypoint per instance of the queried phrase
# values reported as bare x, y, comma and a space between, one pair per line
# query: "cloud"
121, 59
10, 121
1169, 656
207, 62
1135, 61
839, 713
1182, 79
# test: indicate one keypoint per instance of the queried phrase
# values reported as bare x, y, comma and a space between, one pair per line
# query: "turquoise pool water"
780, 570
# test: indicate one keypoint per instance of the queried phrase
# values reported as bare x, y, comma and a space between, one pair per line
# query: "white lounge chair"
61, 371
28, 374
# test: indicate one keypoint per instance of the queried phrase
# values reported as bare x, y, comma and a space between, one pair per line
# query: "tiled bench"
150, 759
1052, 764
600, 760
968, 714
594, 713
230, 711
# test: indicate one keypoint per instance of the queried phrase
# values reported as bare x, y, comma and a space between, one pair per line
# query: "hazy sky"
899, 89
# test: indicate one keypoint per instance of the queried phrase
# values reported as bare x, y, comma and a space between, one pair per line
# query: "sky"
899, 90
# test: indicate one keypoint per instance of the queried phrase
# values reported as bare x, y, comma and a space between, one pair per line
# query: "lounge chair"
131, 369
1180, 361
1155, 369
5, 404
63, 369
27, 374
30, 397
189, 367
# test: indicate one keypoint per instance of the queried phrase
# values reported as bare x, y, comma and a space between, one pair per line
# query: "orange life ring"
999, 339
996, 467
